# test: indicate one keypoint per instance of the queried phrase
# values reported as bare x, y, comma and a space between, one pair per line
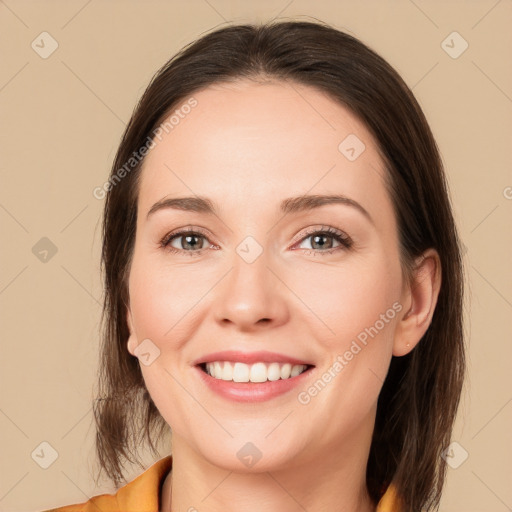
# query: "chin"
246, 456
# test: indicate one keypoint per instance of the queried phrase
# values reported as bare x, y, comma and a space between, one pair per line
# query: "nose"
252, 296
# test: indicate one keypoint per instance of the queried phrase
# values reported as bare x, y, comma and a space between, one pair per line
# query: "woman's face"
304, 280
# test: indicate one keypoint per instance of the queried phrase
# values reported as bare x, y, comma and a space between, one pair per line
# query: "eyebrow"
290, 205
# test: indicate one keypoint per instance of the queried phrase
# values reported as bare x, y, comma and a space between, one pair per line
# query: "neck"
333, 480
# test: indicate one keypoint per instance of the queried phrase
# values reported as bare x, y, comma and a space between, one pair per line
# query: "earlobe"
132, 344
422, 299
132, 340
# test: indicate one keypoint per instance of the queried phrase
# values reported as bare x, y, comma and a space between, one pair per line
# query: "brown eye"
321, 247
191, 241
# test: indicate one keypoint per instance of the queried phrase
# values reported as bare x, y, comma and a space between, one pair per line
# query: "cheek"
162, 300
355, 314
347, 299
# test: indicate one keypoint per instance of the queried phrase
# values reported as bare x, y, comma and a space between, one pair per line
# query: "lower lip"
252, 391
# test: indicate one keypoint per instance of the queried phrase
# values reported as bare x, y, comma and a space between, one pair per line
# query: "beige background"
62, 118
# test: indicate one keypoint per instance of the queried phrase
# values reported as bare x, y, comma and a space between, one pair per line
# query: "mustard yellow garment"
143, 493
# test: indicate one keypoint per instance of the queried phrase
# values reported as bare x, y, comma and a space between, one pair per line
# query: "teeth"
257, 372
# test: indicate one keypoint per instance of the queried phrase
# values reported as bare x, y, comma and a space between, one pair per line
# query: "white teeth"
240, 373
257, 372
296, 370
286, 370
227, 372
273, 371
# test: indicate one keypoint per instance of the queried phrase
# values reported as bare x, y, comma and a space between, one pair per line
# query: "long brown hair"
420, 396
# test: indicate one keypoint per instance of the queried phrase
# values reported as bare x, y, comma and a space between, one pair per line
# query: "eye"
191, 240
318, 235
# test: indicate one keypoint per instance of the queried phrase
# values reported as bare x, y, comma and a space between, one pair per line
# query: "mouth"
252, 377
257, 372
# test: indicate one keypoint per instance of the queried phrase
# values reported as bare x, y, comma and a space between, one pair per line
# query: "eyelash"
345, 241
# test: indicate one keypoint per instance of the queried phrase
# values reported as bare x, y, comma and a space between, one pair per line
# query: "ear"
132, 340
419, 299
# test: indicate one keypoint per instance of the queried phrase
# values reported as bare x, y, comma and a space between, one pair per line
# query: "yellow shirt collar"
143, 494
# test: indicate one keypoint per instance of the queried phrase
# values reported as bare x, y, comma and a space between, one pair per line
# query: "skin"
247, 146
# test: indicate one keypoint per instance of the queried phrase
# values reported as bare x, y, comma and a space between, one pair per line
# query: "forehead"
247, 142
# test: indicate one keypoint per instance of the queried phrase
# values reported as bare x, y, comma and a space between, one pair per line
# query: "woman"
283, 283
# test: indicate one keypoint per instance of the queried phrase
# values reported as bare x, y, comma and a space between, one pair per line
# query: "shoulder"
140, 495
143, 495
389, 501
103, 502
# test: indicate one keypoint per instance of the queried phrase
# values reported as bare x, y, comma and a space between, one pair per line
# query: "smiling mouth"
253, 373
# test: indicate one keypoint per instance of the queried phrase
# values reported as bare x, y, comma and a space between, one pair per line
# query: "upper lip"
236, 356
